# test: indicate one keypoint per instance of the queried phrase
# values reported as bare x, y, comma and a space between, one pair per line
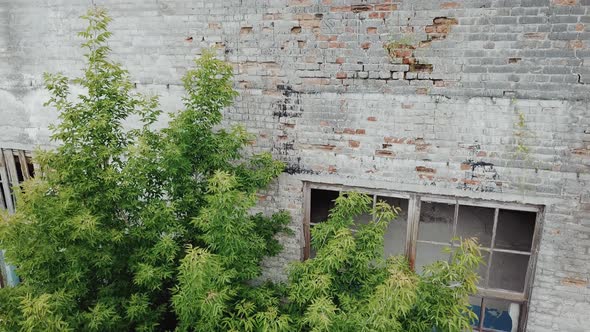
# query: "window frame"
415, 200
14, 166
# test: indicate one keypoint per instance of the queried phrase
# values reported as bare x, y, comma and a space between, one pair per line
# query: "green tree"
150, 230
100, 232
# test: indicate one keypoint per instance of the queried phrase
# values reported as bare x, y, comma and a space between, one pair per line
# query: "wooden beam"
6, 183
22, 159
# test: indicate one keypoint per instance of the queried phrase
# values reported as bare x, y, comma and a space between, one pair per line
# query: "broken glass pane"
515, 230
474, 221
395, 236
501, 315
427, 254
508, 271
436, 222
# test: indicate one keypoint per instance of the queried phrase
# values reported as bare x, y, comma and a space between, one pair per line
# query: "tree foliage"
151, 230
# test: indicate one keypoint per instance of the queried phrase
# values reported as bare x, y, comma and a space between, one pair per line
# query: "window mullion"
412, 232
496, 212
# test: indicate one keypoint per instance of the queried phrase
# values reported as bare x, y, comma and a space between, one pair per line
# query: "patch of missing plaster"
402, 50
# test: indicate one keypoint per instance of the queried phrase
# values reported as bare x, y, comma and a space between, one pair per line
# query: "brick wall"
481, 99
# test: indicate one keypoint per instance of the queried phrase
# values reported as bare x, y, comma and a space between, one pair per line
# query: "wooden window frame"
414, 205
9, 179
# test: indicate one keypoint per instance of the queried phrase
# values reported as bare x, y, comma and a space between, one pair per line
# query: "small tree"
99, 233
147, 230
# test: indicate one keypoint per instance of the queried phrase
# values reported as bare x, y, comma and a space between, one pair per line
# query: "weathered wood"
4, 175
22, 159
11, 167
306, 220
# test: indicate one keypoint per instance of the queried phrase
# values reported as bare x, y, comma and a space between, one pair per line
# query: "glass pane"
474, 221
501, 315
322, 201
508, 271
515, 230
436, 222
395, 236
475, 307
427, 253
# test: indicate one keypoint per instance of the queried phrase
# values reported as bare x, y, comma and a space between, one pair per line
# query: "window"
15, 167
508, 234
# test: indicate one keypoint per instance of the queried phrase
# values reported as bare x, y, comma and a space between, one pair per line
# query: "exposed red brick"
425, 169
245, 30
465, 166
354, 144
324, 124
385, 7
395, 140
340, 9
372, 118
407, 106
449, 5
470, 181
565, 2
580, 27
332, 169
340, 60
341, 75
377, 15
430, 28
327, 37
349, 131
575, 44
336, 45
581, 151
288, 125
326, 2
445, 20
299, 2
422, 91
213, 25
422, 147
575, 282
425, 43
534, 35
359, 131
371, 30
384, 153
361, 8
366, 45
443, 28
408, 61
316, 81
296, 30
426, 176
482, 154
403, 53
328, 147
